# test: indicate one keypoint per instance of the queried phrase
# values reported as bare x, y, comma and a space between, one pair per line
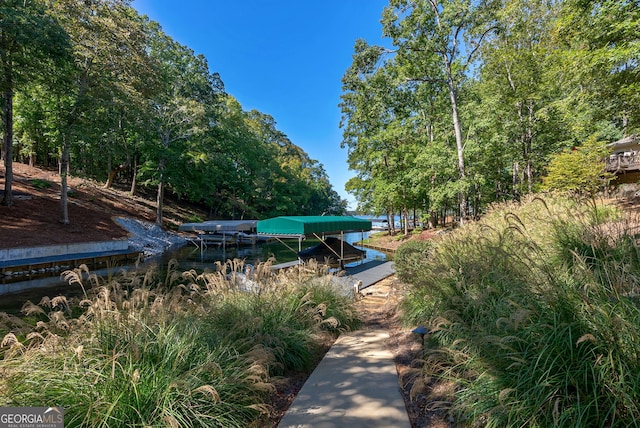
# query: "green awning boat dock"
299, 227
296, 226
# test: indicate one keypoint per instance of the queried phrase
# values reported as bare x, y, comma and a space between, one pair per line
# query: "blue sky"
284, 58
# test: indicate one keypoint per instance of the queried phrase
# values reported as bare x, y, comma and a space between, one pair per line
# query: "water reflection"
188, 257
192, 257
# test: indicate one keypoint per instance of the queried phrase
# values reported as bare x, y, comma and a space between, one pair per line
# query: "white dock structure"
221, 232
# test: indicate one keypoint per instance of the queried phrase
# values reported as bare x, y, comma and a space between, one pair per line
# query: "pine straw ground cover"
534, 315
184, 350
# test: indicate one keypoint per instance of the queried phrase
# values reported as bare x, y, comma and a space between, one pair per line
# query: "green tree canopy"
129, 101
31, 43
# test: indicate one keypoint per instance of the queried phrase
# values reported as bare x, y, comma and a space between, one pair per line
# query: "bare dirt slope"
34, 218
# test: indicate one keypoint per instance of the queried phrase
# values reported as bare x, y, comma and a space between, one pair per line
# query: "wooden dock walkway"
371, 272
286, 265
355, 278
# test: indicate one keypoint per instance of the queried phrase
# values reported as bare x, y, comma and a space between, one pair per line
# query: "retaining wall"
10, 254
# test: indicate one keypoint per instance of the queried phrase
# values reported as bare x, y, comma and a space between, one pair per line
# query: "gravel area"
149, 238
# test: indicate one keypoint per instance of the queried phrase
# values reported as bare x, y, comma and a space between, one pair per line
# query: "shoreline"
148, 238
39, 273
380, 248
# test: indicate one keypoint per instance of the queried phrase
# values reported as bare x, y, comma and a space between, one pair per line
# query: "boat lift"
220, 232
299, 227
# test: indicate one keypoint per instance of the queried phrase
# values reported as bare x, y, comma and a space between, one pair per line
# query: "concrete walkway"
355, 385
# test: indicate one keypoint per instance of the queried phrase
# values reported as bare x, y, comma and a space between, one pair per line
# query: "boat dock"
367, 273
112, 258
371, 272
220, 233
356, 277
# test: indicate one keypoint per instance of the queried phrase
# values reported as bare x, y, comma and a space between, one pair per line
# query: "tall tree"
598, 41
182, 109
110, 58
440, 40
35, 124
30, 41
369, 89
514, 87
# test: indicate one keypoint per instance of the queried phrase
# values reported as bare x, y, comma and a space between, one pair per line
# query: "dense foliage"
179, 350
534, 317
97, 90
467, 102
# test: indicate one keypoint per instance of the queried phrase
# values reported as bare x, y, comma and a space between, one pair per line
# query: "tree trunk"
405, 212
160, 202
160, 195
529, 140
166, 138
391, 221
453, 95
406, 220
433, 219
7, 141
64, 171
526, 139
134, 179
112, 175
514, 179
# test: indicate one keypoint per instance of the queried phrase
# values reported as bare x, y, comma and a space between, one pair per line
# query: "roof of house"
630, 141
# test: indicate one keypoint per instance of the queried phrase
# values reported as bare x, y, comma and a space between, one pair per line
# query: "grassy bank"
182, 350
534, 317
389, 244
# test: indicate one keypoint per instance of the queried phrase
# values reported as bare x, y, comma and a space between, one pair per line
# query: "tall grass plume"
179, 349
535, 317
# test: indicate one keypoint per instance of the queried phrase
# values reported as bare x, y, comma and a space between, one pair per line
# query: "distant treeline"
100, 91
469, 102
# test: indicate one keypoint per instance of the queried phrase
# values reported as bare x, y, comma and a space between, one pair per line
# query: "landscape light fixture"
422, 331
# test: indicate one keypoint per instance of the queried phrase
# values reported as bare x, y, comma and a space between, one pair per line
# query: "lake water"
191, 257
14, 293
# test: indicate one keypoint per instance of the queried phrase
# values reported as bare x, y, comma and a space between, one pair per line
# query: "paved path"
355, 385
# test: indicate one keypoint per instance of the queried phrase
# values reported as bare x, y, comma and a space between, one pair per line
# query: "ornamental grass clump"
286, 316
535, 317
181, 349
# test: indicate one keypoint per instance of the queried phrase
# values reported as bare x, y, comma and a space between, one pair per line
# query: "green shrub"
285, 319
194, 218
41, 184
534, 317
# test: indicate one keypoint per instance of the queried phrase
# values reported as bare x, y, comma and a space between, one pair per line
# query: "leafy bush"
580, 170
40, 184
194, 218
